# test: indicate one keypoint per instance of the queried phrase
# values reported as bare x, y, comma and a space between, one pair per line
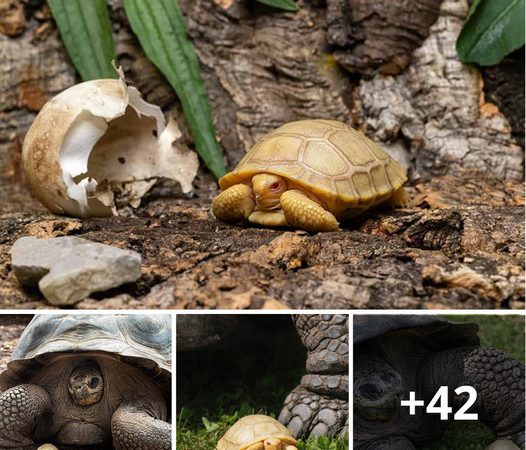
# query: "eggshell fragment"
99, 139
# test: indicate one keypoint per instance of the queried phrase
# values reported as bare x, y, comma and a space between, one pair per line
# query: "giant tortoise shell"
328, 158
432, 333
140, 340
252, 429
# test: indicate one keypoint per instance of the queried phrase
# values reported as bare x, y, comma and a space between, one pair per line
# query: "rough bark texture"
504, 86
434, 114
459, 244
371, 37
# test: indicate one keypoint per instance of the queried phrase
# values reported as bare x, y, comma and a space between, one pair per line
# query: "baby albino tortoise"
309, 174
257, 432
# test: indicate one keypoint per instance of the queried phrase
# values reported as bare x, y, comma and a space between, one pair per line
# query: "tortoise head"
277, 444
378, 387
267, 189
86, 384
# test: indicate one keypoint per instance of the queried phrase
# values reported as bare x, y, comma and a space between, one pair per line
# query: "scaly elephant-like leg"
21, 407
133, 428
319, 405
306, 413
497, 378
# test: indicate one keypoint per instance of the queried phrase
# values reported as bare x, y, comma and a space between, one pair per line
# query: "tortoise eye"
275, 186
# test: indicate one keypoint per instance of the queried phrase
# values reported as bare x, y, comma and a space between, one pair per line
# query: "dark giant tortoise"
397, 354
319, 404
82, 380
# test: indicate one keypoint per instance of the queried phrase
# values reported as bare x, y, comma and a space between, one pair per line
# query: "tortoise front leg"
234, 204
21, 408
302, 212
133, 428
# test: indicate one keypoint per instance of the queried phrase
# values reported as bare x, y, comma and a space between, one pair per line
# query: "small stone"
68, 269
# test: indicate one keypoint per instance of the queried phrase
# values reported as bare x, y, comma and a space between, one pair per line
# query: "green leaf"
472, 8
493, 30
210, 426
161, 30
85, 28
287, 5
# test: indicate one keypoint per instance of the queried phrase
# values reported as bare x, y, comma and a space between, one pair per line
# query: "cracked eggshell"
99, 139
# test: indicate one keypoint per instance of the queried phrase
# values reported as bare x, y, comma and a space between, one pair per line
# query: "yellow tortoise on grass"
257, 432
309, 174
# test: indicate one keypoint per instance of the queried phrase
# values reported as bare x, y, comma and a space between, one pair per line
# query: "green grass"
206, 436
217, 387
503, 332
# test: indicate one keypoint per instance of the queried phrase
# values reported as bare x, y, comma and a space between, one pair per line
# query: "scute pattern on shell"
251, 429
146, 339
326, 156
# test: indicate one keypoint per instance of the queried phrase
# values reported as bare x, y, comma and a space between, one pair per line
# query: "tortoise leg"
497, 378
306, 413
133, 428
302, 212
399, 199
21, 409
234, 204
319, 405
268, 218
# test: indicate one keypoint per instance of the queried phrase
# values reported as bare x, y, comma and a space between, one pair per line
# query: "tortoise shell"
141, 340
432, 332
252, 429
326, 157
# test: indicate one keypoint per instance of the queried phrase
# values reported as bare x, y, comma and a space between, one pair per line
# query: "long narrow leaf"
287, 5
85, 28
494, 29
160, 27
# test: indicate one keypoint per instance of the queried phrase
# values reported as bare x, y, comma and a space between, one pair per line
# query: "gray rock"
69, 269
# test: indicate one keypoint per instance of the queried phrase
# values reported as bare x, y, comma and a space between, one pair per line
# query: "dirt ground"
459, 245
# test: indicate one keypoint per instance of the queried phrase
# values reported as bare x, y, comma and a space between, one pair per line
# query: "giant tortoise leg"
234, 204
497, 378
21, 409
306, 413
319, 405
133, 428
393, 443
302, 212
